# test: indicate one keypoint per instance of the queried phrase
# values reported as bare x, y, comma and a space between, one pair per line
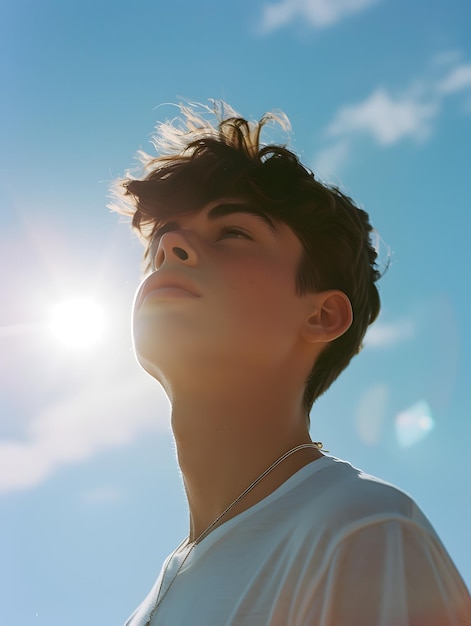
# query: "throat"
227, 439
261, 486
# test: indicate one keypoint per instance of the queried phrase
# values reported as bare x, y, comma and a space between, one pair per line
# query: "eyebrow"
227, 208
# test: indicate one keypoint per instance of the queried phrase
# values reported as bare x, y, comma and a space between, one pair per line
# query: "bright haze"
379, 96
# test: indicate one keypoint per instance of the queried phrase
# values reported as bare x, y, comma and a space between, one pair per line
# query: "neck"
227, 438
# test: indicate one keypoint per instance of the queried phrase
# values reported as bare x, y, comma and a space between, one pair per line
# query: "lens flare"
413, 424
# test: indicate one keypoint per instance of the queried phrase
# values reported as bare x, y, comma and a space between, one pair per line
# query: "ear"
329, 317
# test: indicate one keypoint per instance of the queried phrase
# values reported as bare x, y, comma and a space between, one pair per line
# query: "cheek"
263, 293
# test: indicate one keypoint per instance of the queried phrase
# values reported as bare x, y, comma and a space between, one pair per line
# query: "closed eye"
233, 232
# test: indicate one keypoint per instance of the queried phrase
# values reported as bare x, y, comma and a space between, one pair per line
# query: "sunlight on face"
77, 323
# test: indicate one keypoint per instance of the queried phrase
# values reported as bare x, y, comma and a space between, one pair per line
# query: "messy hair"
201, 160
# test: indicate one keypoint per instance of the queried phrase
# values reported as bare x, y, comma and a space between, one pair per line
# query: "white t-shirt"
332, 546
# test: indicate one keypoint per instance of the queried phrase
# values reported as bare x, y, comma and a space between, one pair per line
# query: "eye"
233, 232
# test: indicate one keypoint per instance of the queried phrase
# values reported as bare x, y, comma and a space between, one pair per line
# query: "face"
221, 293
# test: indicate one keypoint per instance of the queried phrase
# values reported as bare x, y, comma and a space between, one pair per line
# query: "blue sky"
379, 96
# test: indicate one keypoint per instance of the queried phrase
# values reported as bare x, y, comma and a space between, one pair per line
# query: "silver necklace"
186, 542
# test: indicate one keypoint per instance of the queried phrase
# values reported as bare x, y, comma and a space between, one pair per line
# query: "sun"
77, 323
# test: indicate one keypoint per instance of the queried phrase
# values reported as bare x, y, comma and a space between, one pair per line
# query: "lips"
166, 285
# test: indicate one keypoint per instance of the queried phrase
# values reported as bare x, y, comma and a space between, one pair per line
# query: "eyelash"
233, 230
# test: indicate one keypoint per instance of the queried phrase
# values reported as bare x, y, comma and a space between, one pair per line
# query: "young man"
260, 289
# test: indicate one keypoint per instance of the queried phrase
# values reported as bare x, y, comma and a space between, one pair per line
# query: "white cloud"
96, 417
316, 13
458, 79
386, 118
383, 335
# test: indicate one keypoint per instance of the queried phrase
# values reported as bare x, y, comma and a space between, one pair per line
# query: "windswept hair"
201, 160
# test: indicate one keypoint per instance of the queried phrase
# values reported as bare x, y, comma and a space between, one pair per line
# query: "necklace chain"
315, 444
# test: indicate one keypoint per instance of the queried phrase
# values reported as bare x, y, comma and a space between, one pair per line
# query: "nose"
175, 246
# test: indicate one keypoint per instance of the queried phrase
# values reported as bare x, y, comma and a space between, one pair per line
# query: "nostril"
180, 253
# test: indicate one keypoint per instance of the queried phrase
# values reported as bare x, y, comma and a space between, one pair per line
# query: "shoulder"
336, 487
332, 499
370, 542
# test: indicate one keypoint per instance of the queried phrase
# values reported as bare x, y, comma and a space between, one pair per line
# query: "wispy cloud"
388, 117
330, 160
315, 13
93, 418
385, 335
457, 79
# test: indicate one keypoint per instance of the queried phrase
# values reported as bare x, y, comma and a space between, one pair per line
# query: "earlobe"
330, 317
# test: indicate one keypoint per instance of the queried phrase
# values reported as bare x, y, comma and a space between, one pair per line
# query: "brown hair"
201, 162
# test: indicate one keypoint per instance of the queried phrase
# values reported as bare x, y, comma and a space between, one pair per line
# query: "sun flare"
77, 323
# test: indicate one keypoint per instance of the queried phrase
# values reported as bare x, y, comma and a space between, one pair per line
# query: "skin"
232, 351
